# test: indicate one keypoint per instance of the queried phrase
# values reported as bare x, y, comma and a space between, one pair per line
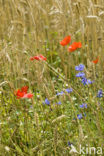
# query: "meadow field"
51, 77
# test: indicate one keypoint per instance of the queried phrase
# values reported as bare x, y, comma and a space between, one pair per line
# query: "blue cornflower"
31, 107
60, 93
79, 116
84, 105
86, 81
89, 81
80, 74
69, 143
47, 101
100, 93
58, 103
80, 67
69, 90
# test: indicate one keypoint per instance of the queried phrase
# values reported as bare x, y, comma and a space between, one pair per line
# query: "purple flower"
80, 74
58, 103
100, 93
80, 67
47, 101
79, 116
69, 143
85, 81
84, 105
89, 81
60, 93
69, 90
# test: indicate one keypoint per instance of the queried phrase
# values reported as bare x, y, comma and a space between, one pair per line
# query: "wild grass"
32, 27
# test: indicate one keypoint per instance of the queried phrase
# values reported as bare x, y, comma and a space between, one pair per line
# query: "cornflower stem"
73, 109
64, 79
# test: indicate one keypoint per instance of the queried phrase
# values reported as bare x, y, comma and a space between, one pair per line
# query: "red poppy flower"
22, 93
75, 46
34, 58
19, 94
65, 41
28, 95
42, 57
39, 57
24, 89
96, 61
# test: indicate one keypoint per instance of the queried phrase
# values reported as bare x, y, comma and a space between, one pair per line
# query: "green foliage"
29, 127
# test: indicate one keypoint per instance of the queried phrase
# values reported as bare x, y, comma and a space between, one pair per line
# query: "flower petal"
65, 41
